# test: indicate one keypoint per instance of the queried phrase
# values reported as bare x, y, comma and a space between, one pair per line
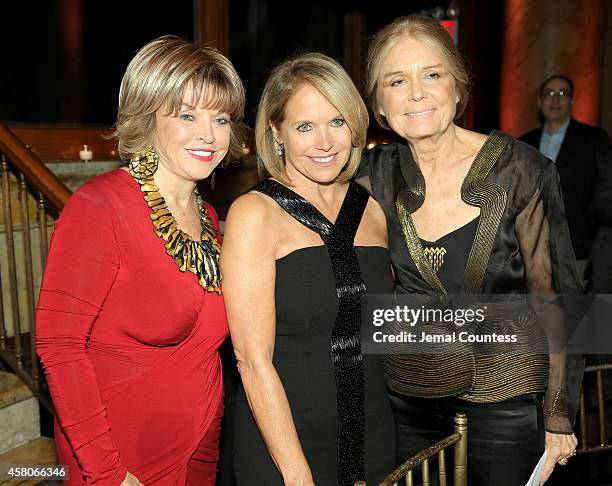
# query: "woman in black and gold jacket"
470, 214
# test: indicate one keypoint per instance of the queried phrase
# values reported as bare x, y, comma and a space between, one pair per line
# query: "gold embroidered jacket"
522, 246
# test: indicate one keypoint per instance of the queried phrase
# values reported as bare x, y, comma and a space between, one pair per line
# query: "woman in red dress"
131, 315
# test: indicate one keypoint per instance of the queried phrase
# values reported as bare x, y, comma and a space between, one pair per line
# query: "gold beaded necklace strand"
198, 257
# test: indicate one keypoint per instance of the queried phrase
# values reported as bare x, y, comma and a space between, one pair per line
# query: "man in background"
572, 145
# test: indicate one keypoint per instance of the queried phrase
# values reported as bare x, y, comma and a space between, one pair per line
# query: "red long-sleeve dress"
129, 345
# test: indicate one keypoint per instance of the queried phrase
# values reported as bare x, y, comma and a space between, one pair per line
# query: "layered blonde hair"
160, 76
332, 81
431, 34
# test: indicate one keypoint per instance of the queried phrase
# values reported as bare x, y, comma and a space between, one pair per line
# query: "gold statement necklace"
198, 257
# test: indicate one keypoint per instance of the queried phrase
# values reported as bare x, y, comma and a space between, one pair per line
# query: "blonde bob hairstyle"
160, 76
431, 34
332, 81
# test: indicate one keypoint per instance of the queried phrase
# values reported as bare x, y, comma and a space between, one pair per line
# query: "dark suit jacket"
578, 173
602, 202
601, 258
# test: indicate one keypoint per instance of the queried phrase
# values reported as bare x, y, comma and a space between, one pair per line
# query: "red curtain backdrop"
547, 37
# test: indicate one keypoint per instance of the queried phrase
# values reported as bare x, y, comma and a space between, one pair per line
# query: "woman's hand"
131, 480
560, 447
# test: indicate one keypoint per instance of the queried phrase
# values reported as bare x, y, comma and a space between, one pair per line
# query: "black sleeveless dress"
337, 395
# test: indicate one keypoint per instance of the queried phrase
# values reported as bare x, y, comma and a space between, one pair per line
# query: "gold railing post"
601, 441
41, 204
460, 475
600, 409
583, 422
442, 467
459, 442
29, 270
10, 247
425, 473
3, 333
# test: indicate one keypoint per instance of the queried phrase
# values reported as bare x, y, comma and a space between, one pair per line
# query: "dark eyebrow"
191, 107
301, 122
394, 73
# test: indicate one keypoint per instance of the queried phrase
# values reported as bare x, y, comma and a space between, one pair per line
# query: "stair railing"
32, 198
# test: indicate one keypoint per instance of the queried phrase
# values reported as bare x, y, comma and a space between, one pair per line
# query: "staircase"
39, 451
20, 439
32, 197
19, 414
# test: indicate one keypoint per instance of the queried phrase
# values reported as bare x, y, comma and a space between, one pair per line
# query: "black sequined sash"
345, 336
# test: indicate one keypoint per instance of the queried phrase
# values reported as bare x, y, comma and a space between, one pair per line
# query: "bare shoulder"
253, 208
252, 216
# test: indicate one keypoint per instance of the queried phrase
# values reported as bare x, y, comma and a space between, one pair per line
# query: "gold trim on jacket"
484, 377
488, 196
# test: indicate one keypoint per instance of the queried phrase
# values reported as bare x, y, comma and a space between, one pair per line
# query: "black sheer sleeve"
364, 165
362, 176
550, 267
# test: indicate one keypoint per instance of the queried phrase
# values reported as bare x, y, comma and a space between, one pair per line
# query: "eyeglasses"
551, 93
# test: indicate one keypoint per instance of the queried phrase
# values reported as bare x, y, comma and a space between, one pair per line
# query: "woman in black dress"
468, 214
300, 251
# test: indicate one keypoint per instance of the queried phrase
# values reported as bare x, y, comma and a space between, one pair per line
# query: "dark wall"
480, 39
63, 59
264, 32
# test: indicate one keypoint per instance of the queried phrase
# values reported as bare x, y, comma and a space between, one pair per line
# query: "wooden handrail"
34, 170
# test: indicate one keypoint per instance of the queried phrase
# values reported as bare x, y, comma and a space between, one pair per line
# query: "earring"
213, 180
281, 149
144, 164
